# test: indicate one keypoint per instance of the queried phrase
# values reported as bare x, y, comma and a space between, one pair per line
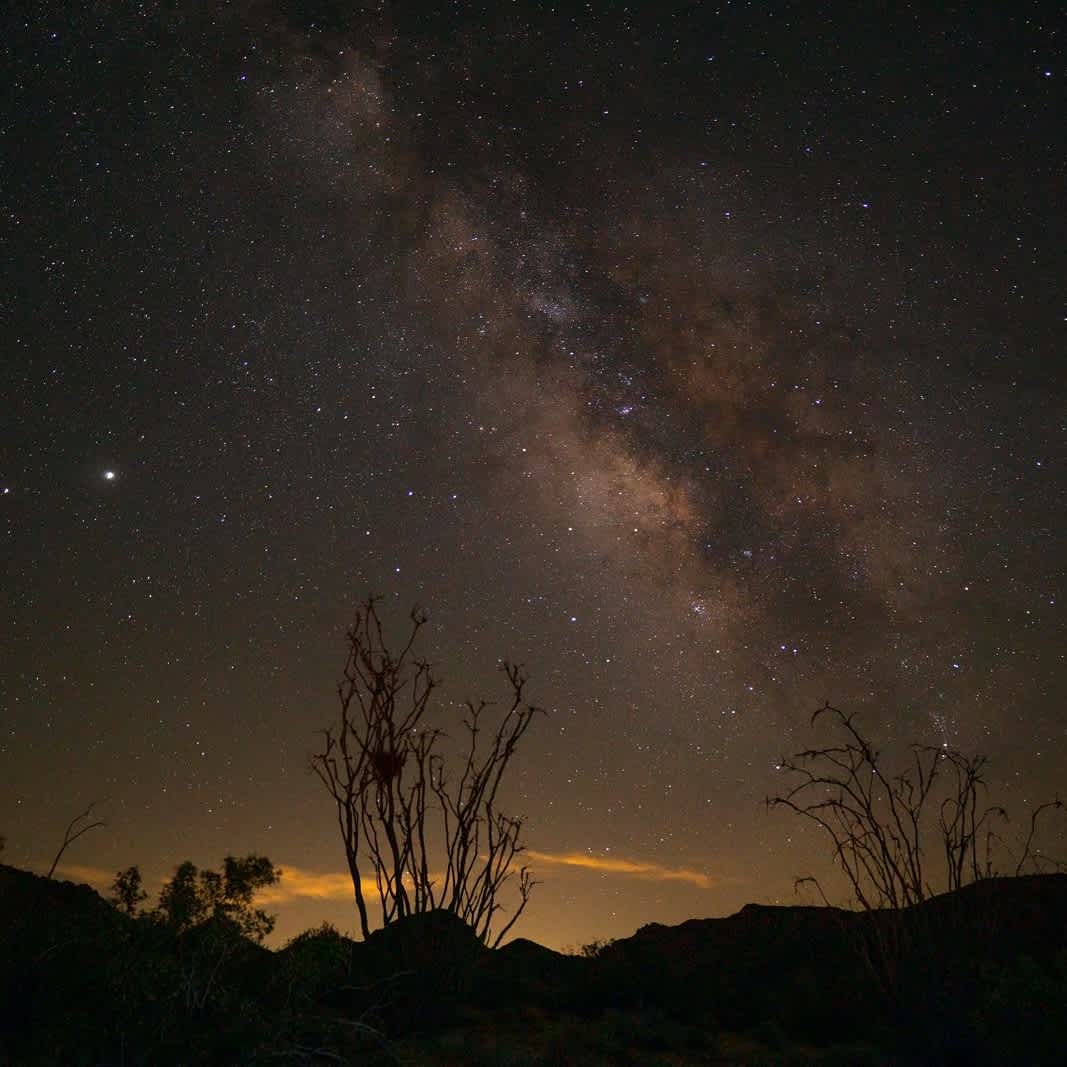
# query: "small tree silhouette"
212, 918
395, 799
127, 891
192, 898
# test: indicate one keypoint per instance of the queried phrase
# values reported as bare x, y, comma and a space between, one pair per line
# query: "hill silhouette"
977, 976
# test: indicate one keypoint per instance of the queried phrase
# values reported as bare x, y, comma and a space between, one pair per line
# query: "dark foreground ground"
975, 977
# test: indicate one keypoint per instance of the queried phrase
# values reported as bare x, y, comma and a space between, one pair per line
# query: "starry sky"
708, 359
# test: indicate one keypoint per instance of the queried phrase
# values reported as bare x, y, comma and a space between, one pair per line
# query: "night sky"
706, 358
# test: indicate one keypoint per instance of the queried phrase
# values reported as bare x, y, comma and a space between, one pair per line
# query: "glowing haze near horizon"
707, 360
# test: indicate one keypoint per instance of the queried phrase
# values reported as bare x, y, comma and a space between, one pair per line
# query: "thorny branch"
885, 829
899, 839
395, 800
72, 835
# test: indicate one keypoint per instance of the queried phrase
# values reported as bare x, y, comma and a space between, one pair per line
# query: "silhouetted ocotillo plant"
430, 837
901, 837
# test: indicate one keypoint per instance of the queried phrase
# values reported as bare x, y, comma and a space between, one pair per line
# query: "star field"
707, 360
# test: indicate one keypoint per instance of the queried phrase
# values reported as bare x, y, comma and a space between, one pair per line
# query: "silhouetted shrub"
312, 964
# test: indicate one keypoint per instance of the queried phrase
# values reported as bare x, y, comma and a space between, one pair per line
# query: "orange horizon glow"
298, 883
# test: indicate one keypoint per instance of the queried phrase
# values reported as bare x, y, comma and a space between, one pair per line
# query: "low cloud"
99, 878
296, 883
299, 884
617, 865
